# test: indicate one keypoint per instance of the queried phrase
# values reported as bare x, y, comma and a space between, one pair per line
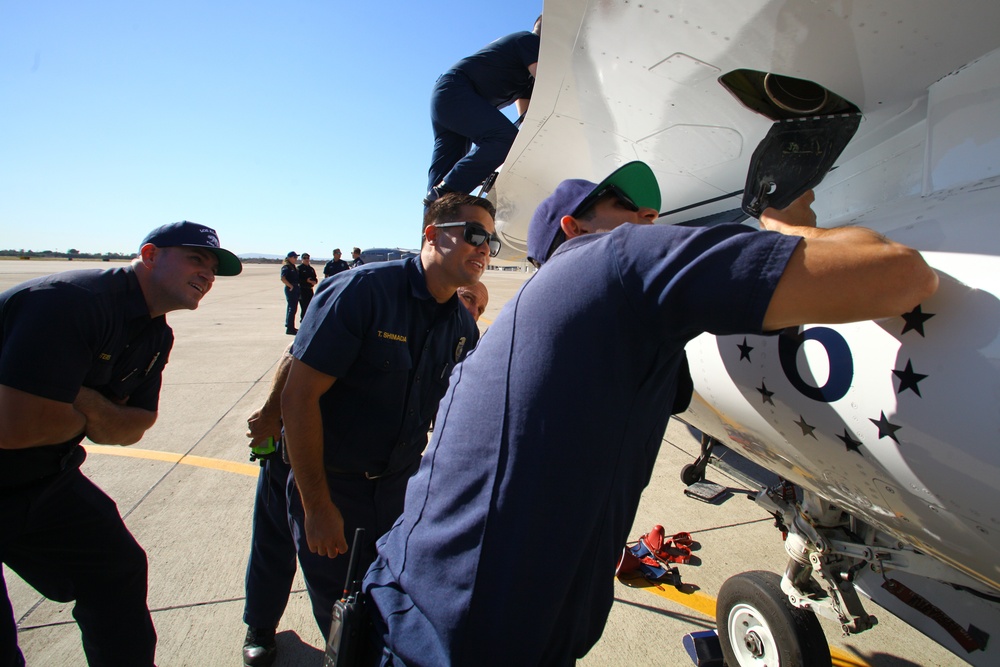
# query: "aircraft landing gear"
758, 627
693, 473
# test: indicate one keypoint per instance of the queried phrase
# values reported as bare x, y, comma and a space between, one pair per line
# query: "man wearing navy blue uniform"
81, 355
335, 265
290, 279
557, 418
307, 281
368, 368
465, 110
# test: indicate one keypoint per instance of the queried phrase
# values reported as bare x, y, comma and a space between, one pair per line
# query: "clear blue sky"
295, 125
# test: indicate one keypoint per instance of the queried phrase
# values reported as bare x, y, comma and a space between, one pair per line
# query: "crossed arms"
33, 421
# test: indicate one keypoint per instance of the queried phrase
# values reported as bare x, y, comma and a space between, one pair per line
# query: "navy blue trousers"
271, 566
292, 299
370, 504
471, 136
305, 296
64, 537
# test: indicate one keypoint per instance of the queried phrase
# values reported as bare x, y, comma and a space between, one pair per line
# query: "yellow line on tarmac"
250, 469
705, 604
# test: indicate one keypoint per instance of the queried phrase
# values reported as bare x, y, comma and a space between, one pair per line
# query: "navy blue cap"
575, 195
193, 235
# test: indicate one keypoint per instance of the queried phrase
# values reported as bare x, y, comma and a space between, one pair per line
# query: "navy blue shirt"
549, 431
306, 273
77, 329
290, 273
335, 266
392, 347
499, 72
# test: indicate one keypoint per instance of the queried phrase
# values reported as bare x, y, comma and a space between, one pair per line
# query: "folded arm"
111, 423
32, 421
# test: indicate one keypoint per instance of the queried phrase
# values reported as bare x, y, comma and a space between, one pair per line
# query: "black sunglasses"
597, 196
475, 235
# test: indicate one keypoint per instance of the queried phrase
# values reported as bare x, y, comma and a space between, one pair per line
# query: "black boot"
259, 648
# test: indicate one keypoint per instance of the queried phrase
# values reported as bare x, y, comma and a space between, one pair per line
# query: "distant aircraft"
386, 254
888, 432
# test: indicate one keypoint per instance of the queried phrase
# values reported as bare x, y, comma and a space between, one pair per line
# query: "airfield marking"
699, 602
249, 469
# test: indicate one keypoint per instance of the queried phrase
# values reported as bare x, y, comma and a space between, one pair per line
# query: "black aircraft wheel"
759, 628
690, 474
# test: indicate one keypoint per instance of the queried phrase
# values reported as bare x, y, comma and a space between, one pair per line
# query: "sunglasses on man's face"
613, 190
475, 235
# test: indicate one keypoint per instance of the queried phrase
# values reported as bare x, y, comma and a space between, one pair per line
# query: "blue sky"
296, 125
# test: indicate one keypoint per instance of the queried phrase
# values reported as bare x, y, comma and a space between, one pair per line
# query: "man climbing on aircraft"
549, 432
465, 110
81, 355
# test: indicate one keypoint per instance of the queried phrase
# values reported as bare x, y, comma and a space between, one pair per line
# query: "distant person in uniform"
335, 265
290, 279
81, 355
307, 281
557, 418
356, 261
471, 135
369, 367
474, 298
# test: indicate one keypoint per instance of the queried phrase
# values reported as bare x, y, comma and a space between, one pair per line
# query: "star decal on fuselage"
849, 442
806, 428
764, 393
908, 379
915, 320
885, 427
744, 350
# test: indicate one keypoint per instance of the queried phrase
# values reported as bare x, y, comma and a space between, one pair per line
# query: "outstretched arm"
846, 274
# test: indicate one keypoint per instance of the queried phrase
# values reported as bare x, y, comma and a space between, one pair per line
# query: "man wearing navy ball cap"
81, 355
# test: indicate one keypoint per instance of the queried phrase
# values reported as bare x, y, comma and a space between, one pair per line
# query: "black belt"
355, 474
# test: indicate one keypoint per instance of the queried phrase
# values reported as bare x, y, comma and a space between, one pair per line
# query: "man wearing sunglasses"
557, 418
368, 367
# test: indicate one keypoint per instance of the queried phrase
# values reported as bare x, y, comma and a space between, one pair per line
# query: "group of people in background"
300, 280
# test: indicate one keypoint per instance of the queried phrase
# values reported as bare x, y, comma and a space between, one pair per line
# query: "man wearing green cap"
549, 431
81, 355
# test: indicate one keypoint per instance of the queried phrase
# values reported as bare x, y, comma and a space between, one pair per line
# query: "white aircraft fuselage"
895, 422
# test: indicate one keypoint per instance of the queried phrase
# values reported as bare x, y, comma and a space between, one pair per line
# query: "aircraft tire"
756, 624
691, 474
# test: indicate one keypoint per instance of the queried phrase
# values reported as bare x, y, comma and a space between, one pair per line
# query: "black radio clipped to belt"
348, 643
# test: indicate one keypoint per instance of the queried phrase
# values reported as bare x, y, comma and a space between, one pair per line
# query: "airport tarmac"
186, 492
